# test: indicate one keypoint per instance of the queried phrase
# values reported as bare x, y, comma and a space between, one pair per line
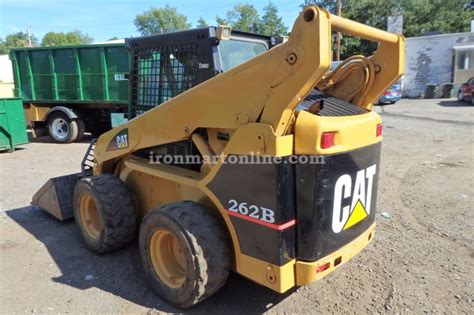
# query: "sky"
104, 19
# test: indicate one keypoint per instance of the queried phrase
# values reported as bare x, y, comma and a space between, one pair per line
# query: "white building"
437, 59
6, 77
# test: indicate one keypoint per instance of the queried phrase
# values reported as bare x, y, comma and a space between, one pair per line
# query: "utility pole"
28, 34
338, 35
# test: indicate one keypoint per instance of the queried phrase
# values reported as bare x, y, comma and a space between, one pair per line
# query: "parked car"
392, 95
466, 91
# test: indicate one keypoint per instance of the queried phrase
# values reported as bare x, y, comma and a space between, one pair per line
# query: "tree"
221, 21
419, 16
63, 39
201, 22
271, 23
17, 40
161, 20
330, 5
3, 48
244, 17
113, 38
447, 16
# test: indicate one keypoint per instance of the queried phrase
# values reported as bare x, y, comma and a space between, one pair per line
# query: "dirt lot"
420, 261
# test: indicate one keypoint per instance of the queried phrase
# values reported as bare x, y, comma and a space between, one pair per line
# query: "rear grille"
330, 106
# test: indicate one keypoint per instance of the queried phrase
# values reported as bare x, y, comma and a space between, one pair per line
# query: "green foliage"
271, 23
221, 21
419, 16
330, 5
114, 38
447, 16
16, 40
64, 39
201, 23
161, 20
245, 18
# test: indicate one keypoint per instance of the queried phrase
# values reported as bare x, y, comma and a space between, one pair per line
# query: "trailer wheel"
64, 129
185, 253
105, 213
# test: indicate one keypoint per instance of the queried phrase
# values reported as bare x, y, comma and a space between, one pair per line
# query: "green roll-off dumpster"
12, 124
70, 90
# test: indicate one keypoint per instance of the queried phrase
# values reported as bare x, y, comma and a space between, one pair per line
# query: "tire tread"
118, 212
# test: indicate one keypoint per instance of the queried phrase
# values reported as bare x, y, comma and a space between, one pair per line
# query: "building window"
465, 60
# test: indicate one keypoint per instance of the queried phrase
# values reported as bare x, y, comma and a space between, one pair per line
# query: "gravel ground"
420, 261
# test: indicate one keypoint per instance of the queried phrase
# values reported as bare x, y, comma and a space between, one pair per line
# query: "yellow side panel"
306, 271
277, 278
351, 132
33, 113
151, 187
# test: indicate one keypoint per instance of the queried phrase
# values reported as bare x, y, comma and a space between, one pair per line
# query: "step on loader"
269, 169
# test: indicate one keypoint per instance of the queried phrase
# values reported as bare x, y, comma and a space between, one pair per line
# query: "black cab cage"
165, 65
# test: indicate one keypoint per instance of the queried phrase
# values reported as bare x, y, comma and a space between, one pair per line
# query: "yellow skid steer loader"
269, 169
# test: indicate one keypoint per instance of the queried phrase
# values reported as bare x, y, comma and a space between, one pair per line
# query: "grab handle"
356, 29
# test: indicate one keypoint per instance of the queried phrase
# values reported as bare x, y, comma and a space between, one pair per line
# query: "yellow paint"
306, 271
277, 278
34, 113
168, 258
357, 215
350, 132
254, 105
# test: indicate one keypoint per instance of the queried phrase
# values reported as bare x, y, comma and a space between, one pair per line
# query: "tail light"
387, 92
322, 267
327, 140
378, 132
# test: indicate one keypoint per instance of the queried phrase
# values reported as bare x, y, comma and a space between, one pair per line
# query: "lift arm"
265, 89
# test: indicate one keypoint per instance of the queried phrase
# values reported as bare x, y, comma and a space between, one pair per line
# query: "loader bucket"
55, 196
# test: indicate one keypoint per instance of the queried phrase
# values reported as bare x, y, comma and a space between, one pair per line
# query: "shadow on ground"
121, 274
47, 139
455, 103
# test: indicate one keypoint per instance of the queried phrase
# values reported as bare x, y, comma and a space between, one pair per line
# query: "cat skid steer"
303, 205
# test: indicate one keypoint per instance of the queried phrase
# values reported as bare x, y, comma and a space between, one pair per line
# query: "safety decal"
352, 204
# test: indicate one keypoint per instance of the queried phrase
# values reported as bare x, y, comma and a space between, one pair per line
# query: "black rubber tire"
206, 249
75, 128
117, 211
81, 128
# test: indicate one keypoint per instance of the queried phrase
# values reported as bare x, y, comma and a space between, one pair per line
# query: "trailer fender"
69, 112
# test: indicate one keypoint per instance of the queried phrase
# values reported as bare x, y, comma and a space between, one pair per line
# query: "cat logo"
352, 205
120, 141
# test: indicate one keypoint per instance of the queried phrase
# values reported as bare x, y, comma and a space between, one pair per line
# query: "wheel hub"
167, 258
60, 128
90, 216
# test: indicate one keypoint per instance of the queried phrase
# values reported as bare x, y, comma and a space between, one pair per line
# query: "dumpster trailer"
69, 90
282, 223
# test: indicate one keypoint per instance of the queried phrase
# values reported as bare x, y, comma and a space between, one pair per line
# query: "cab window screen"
161, 73
236, 52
